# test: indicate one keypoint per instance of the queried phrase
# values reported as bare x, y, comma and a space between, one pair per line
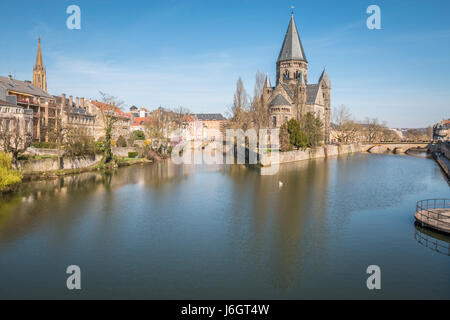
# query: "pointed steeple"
39, 60
292, 48
267, 83
39, 74
325, 78
301, 80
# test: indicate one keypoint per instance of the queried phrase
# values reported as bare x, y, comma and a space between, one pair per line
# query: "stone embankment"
442, 156
316, 153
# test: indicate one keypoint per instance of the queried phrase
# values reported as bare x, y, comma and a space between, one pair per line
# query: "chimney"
63, 102
9, 77
71, 101
82, 103
77, 103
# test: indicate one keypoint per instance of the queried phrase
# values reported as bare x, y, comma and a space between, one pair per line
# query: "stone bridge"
399, 147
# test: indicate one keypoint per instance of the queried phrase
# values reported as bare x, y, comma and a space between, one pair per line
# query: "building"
75, 115
293, 96
441, 130
15, 121
39, 74
42, 105
100, 110
211, 122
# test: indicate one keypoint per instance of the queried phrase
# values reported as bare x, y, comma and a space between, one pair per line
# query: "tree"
109, 118
138, 135
240, 117
258, 112
313, 128
14, 139
346, 129
373, 130
297, 137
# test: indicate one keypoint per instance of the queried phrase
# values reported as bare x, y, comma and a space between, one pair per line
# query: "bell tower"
292, 63
39, 74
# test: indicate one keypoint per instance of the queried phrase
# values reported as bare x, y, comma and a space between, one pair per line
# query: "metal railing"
431, 209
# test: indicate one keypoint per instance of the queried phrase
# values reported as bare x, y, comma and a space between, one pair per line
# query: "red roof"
108, 107
139, 121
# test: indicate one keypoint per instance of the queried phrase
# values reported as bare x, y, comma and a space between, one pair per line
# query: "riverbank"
325, 151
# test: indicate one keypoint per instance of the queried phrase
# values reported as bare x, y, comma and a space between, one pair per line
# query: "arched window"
274, 121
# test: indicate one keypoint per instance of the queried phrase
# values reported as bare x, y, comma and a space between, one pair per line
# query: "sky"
190, 53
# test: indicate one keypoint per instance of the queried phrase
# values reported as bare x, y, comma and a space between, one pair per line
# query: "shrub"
132, 154
138, 135
8, 176
121, 142
44, 145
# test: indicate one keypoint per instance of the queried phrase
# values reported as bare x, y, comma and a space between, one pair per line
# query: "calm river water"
212, 232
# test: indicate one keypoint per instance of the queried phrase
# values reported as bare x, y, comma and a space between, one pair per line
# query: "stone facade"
293, 97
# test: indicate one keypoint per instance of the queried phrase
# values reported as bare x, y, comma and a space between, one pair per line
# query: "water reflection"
430, 239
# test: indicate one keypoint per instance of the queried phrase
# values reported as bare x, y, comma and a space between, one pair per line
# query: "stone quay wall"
53, 164
320, 152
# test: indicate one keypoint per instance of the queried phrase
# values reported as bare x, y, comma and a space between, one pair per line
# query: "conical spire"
301, 80
325, 78
39, 60
292, 48
267, 83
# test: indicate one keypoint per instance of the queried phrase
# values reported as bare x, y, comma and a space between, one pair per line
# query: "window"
274, 121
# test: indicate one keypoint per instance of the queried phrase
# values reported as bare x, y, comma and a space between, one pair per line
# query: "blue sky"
190, 53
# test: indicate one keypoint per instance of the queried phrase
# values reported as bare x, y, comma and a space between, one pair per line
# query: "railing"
431, 209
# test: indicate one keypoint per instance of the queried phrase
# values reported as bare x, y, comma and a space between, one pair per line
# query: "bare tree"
258, 112
240, 117
374, 129
346, 129
13, 139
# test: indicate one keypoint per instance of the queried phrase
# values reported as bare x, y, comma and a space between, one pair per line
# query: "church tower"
39, 75
292, 61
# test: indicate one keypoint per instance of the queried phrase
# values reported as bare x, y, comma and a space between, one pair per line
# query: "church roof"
279, 101
288, 90
23, 87
325, 78
292, 48
210, 117
311, 93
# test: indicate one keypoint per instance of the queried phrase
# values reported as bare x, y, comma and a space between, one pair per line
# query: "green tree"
313, 128
297, 137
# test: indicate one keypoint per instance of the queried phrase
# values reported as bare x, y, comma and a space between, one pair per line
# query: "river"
162, 231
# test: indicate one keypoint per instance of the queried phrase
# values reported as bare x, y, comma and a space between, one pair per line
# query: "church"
293, 96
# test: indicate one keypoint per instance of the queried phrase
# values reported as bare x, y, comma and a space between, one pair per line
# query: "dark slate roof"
292, 48
4, 103
311, 93
325, 78
288, 90
267, 83
209, 116
24, 87
279, 101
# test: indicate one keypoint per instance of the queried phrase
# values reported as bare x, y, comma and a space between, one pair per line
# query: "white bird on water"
280, 184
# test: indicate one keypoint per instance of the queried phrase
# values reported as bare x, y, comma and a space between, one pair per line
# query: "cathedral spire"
267, 83
325, 78
39, 74
292, 48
